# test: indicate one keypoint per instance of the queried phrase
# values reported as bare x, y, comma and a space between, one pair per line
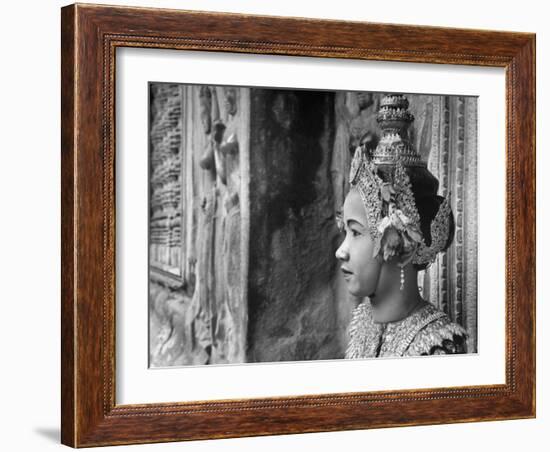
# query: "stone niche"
293, 306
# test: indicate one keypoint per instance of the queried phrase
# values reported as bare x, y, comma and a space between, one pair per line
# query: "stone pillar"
452, 279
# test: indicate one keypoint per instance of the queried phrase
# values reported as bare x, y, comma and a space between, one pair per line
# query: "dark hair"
424, 187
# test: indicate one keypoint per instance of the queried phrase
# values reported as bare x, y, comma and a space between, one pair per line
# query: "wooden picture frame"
90, 35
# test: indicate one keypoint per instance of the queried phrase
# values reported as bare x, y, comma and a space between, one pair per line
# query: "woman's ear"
405, 258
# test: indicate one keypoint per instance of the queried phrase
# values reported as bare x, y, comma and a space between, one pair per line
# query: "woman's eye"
355, 233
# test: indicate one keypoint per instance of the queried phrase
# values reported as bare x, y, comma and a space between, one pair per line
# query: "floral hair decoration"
394, 221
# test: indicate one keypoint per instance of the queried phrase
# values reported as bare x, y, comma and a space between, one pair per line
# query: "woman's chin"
357, 292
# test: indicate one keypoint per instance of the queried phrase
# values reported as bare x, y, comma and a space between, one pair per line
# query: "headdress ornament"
394, 221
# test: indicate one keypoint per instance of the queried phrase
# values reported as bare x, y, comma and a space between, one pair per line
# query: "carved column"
452, 279
470, 221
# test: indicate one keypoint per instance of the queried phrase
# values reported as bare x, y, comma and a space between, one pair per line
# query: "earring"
402, 275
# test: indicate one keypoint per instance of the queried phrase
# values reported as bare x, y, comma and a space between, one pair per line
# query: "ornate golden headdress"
394, 221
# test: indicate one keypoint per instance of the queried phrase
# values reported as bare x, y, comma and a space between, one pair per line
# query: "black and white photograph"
292, 224
253, 226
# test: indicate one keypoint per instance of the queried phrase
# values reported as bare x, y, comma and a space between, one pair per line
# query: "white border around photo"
136, 383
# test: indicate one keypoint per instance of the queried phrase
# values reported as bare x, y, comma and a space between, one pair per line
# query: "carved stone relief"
207, 324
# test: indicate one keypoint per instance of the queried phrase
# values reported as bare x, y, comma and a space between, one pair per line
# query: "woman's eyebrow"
352, 221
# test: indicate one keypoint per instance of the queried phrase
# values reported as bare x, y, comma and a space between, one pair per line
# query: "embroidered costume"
427, 331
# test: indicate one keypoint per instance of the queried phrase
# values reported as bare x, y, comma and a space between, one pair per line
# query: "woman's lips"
347, 273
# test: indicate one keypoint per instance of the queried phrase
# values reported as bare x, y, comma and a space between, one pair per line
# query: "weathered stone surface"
293, 311
200, 318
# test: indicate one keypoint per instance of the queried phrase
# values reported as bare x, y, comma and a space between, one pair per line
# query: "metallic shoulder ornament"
394, 221
426, 331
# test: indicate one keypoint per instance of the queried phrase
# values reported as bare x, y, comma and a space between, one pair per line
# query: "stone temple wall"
197, 301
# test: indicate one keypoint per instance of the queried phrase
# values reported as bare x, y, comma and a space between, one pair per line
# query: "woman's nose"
342, 252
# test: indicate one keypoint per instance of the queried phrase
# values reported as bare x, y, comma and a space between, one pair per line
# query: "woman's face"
361, 271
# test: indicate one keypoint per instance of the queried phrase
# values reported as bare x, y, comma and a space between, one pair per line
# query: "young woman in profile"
395, 225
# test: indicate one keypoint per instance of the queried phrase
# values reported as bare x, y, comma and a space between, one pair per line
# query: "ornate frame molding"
90, 36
